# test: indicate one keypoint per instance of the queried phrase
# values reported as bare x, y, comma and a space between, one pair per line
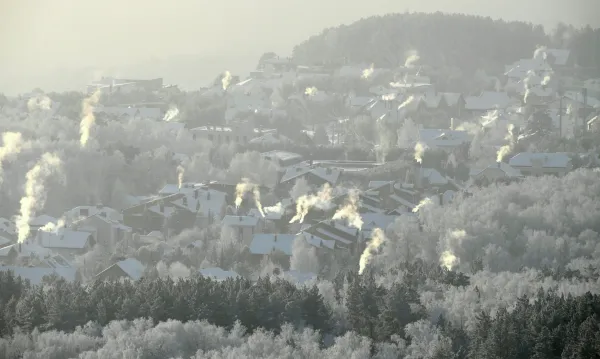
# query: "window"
84, 212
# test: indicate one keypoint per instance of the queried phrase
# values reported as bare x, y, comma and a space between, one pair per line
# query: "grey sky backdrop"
62, 44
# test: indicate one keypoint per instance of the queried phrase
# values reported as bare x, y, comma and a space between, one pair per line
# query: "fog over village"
416, 185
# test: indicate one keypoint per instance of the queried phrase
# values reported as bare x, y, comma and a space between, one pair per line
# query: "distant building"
539, 164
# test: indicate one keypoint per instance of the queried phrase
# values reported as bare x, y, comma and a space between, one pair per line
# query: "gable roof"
264, 243
487, 100
443, 137
42, 220
508, 170
547, 160
132, 267
64, 239
328, 174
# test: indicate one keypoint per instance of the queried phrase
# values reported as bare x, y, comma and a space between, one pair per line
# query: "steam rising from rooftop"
350, 211
248, 187
321, 200
35, 191
11, 145
377, 238
88, 119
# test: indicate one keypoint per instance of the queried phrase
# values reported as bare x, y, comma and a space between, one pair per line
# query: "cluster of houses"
543, 83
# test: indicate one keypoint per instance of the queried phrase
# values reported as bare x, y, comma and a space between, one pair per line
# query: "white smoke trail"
277, 208
424, 203
506, 149
377, 238
11, 145
350, 211
367, 73
180, 173
248, 187
226, 80
547, 79
420, 149
407, 102
171, 114
527, 83
540, 53
389, 97
412, 59
448, 259
88, 119
52, 227
304, 203
35, 192
310, 91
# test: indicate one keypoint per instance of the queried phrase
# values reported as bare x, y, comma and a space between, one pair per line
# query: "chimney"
161, 207
208, 195
196, 194
275, 238
240, 217
452, 123
184, 200
19, 247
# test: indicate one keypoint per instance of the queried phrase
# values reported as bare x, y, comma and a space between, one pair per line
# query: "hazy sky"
37, 36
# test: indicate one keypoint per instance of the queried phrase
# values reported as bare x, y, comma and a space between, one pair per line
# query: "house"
487, 101
264, 244
333, 234
244, 227
107, 231
35, 275
66, 242
129, 113
539, 164
316, 176
29, 253
41, 221
445, 139
80, 212
282, 159
271, 138
129, 268
497, 171
238, 133
218, 274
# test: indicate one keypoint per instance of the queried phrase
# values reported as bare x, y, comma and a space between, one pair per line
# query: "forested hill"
468, 42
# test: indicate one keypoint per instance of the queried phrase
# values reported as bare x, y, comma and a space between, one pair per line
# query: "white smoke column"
389, 97
350, 211
367, 73
420, 149
88, 118
448, 259
310, 91
526, 82
180, 173
41, 102
11, 145
226, 80
407, 102
540, 53
246, 187
35, 191
505, 150
171, 114
277, 208
377, 238
411, 60
547, 79
425, 202
304, 203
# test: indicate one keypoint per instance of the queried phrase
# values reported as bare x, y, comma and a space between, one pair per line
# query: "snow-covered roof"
487, 100
218, 273
378, 184
376, 220
317, 241
264, 243
132, 267
240, 221
443, 138
433, 176
42, 220
64, 239
282, 156
36, 274
508, 170
521, 68
547, 160
561, 56
578, 97
270, 138
88, 211
328, 174
7, 226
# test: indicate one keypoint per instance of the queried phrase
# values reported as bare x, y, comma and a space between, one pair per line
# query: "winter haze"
187, 42
386, 180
